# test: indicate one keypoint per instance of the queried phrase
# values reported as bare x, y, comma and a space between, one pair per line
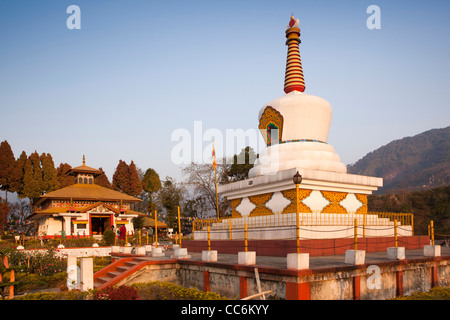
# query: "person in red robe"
123, 232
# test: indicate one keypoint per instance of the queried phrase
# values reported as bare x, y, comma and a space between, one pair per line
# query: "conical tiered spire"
294, 73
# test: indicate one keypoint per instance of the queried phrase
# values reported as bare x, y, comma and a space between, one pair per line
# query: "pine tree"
4, 212
120, 177
64, 179
19, 174
49, 177
32, 179
134, 183
102, 180
7, 163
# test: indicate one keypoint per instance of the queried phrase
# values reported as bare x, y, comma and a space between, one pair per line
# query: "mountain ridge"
411, 163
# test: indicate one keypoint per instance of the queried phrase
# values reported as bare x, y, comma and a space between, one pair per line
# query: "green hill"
412, 163
431, 204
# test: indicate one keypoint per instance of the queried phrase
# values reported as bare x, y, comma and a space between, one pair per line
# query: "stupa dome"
304, 116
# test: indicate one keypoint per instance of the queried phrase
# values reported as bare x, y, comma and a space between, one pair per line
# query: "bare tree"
201, 182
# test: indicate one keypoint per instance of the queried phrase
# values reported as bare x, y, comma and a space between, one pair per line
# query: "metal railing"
306, 219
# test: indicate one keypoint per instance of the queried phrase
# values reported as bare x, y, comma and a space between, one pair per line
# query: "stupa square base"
432, 251
247, 257
209, 255
157, 252
396, 253
355, 257
298, 261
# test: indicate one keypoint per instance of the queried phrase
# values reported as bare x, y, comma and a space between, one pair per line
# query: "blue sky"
137, 70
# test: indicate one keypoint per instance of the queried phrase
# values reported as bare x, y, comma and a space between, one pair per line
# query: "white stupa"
329, 200
295, 127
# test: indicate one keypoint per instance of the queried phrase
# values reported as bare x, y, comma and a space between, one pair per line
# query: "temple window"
272, 134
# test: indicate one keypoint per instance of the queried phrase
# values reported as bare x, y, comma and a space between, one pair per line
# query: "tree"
242, 163
201, 179
102, 180
7, 163
64, 179
120, 176
32, 179
4, 212
170, 197
126, 179
49, 177
151, 184
19, 170
134, 186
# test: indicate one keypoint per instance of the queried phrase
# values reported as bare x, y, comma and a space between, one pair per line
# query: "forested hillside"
411, 163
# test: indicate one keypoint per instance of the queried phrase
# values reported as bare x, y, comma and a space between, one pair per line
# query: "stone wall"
79, 252
385, 280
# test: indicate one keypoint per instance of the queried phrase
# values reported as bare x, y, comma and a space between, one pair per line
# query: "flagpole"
215, 178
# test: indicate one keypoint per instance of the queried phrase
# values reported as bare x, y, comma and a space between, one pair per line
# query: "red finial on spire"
291, 23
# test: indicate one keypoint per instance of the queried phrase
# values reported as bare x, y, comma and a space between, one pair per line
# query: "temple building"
295, 127
83, 208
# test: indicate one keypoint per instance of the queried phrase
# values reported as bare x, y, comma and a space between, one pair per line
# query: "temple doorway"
99, 224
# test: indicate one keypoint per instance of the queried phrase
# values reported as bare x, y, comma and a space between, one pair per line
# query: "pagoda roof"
87, 192
52, 211
85, 169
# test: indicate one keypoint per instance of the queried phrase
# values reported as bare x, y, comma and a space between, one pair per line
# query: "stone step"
117, 271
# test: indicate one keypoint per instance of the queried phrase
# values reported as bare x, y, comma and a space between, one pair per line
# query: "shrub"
39, 263
436, 293
29, 282
108, 237
168, 291
69, 295
117, 293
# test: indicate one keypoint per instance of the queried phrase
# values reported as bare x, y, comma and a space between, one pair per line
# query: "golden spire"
84, 160
294, 72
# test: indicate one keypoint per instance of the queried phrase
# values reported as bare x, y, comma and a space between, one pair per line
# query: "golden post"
432, 232
156, 229
179, 225
140, 238
356, 235
209, 241
395, 232
364, 225
245, 238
